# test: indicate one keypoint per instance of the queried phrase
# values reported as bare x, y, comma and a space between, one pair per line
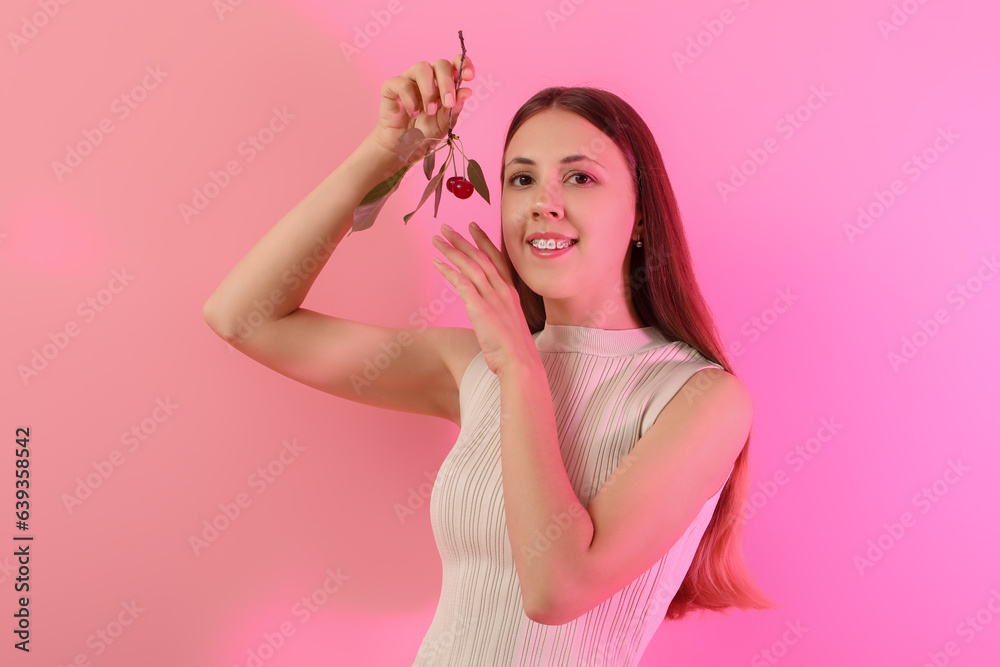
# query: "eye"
524, 174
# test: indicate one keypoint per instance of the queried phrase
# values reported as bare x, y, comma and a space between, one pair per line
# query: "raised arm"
257, 307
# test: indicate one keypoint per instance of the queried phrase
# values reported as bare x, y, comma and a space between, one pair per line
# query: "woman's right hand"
419, 98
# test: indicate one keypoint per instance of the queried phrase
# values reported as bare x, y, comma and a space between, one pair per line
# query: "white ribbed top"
608, 386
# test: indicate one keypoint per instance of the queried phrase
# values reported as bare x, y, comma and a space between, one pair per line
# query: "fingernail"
449, 99
447, 228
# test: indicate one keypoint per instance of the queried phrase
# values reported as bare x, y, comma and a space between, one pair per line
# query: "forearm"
549, 529
281, 268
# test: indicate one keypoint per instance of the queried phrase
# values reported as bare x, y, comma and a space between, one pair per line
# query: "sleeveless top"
607, 386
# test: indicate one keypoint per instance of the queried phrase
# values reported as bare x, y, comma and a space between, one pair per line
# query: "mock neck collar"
600, 342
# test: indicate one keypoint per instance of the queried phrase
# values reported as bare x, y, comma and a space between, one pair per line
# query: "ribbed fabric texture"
607, 388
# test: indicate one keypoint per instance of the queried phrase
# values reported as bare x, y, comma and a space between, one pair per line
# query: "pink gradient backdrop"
332, 506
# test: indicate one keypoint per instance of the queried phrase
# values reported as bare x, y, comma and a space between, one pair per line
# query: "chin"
558, 288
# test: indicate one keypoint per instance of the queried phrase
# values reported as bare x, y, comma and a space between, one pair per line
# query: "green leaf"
427, 191
478, 182
429, 164
385, 187
368, 210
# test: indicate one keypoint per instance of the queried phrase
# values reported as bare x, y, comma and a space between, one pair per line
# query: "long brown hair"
665, 295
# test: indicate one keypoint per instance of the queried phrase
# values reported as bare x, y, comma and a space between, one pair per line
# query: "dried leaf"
408, 143
478, 182
365, 215
427, 191
437, 195
429, 165
414, 143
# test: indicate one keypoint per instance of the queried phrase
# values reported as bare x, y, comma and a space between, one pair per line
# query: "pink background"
825, 358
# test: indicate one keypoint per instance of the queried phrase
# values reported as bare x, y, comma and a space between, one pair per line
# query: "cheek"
511, 231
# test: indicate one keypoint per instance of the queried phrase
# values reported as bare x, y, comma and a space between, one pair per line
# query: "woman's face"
591, 200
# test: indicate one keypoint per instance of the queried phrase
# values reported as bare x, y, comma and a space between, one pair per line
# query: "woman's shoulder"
681, 352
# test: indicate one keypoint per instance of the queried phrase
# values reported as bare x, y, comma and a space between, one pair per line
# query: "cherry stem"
458, 83
428, 153
460, 148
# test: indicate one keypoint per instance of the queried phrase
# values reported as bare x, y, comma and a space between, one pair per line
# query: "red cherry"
450, 183
463, 189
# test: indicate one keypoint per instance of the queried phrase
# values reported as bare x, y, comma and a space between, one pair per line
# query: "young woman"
597, 481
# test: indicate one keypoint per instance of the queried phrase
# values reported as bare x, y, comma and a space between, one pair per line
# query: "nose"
548, 202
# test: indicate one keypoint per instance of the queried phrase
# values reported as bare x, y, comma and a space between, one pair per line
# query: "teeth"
551, 244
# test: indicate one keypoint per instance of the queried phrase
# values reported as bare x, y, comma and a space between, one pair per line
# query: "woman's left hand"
491, 300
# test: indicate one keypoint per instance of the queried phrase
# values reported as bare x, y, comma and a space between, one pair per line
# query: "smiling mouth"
552, 244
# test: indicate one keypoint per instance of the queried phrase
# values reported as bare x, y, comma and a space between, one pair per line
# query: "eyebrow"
566, 160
